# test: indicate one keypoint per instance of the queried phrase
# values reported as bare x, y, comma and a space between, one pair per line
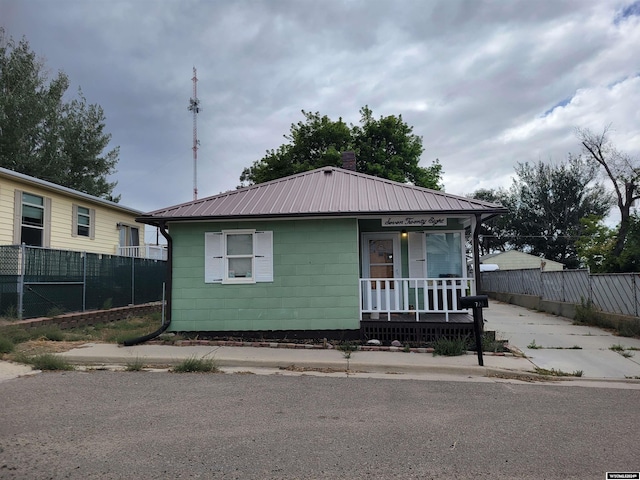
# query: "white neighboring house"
38, 213
515, 260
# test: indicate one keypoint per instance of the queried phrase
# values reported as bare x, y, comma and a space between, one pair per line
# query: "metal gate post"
84, 281
21, 282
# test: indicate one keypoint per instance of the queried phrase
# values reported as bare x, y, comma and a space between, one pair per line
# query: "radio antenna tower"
194, 106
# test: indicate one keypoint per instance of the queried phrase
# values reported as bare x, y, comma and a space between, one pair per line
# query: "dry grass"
50, 340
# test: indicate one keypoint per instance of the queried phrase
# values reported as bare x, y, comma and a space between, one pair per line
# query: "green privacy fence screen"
37, 282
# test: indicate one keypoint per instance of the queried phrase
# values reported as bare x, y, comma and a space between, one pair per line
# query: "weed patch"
51, 333
45, 361
533, 345
622, 350
195, 364
557, 373
347, 349
450, 347
11, 312
588, 314
136, 365
54, 312
6, 345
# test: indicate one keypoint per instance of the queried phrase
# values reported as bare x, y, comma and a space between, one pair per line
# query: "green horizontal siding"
315, 287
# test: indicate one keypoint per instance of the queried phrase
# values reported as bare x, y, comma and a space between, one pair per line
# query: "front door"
381, 260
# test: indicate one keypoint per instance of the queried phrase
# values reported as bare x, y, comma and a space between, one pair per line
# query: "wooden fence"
617, 293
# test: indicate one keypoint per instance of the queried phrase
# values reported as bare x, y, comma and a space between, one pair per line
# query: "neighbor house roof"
513, 259
54, 187
327, 191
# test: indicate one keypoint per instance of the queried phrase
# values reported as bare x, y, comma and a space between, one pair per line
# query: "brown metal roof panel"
326, 190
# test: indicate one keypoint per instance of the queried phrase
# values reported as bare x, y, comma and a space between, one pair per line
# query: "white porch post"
476, 222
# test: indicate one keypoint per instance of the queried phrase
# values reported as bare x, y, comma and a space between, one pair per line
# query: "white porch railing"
154, 252
414, 295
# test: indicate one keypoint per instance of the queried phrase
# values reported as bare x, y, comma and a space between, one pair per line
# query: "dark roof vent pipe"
349, 161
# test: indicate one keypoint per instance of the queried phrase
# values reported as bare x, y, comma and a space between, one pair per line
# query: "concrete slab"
10, 370
562, 345
252, 357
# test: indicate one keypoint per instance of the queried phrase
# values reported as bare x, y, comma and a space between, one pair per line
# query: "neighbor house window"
238, 256
32, 219
129, 236
83, 222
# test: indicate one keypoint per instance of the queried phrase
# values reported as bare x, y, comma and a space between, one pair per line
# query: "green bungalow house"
325, 253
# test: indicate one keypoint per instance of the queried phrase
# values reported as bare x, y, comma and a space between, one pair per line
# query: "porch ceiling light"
404, 234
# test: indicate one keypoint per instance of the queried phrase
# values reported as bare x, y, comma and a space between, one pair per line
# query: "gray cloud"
485, 83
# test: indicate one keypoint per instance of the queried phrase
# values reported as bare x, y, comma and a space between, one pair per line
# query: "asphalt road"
148, 425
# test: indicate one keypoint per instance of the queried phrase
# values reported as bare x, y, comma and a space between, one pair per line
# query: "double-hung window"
83, 222
238, 256
32, 219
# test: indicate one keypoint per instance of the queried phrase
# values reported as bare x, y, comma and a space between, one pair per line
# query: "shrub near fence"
36, 282
617, 293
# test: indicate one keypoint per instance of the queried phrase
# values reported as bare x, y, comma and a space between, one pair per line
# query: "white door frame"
366, 272
397, 264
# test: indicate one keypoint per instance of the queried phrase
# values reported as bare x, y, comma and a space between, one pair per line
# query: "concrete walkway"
523, 328
552, 342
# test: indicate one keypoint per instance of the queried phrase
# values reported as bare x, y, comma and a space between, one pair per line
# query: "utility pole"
194, 106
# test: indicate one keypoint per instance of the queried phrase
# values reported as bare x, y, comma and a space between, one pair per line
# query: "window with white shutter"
238, 256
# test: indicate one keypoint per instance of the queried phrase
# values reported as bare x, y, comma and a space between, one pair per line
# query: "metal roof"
327, 191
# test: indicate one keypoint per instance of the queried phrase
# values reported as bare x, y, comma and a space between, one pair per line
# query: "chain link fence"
37, 282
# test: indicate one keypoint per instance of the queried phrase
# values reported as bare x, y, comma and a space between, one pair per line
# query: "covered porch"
414, 299
416, 310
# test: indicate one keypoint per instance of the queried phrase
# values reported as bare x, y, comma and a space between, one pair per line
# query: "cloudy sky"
486, 84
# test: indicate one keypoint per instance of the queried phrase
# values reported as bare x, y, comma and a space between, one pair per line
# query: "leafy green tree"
623, 172
495, 234
384, 147
598, 243
388, 148
629, 259
546, 204
595, 245
45, 137
313, 143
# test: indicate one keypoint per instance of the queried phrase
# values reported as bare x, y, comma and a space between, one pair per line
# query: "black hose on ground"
145, 338
135, 341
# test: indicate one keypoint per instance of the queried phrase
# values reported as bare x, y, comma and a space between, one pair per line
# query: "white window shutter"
417, 254
213, 259
264, 257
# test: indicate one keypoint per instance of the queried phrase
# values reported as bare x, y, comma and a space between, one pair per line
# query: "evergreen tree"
45, 137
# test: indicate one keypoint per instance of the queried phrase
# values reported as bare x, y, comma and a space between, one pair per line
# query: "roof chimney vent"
349, 161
